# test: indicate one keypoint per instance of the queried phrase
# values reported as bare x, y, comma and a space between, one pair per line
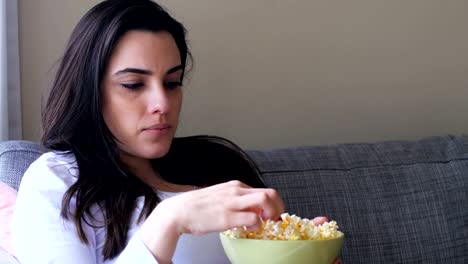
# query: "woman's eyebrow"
147, 72
174, 69
134, 70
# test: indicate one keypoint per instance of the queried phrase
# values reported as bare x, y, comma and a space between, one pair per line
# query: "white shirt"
41, 235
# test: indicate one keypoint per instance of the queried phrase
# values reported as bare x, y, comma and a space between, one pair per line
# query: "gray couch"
396, 201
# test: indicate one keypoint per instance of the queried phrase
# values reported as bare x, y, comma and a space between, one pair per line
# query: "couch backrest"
396, 202
15, 158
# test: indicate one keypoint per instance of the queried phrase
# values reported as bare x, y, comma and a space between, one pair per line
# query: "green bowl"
254, 251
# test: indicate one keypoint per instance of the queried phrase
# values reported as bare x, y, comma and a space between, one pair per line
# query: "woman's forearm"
159, 234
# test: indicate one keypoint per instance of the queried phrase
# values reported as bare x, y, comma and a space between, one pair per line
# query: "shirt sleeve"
42, 235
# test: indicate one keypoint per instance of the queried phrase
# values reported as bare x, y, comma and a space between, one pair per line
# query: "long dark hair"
73, 122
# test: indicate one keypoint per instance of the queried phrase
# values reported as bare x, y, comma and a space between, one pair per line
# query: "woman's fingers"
319, 220
240, 197
227, 205
225, 185
265, 202
251, 198
227, 221
249, 219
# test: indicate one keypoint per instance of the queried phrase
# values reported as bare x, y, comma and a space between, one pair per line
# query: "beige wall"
275, 73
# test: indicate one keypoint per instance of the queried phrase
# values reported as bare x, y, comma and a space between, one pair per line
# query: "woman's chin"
155, 151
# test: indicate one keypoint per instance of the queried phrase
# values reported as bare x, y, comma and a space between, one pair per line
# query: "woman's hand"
221, 207
212, 209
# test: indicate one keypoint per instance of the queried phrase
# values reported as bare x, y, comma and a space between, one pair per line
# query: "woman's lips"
158, 130
158, 126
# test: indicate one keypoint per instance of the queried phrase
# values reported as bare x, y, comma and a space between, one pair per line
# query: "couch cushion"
15, 158
7, 258
396, 202
7, 206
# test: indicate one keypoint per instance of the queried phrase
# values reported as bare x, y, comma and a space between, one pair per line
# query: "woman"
117, 186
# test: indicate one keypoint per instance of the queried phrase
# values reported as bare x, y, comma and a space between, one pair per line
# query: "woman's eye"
172, 85
132, 86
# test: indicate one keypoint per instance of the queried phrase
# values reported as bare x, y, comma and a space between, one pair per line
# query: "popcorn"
291, 227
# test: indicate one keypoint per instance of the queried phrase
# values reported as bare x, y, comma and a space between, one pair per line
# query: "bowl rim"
340, 236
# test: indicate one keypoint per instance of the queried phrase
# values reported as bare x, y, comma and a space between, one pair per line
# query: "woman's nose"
158, 99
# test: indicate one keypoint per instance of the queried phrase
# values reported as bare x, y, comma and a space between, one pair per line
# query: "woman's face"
142, 93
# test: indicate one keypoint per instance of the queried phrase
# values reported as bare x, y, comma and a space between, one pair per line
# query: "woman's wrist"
160, 235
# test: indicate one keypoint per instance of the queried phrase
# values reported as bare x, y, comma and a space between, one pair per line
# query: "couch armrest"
15, 158
6, 258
